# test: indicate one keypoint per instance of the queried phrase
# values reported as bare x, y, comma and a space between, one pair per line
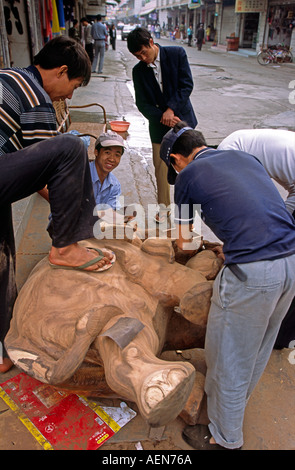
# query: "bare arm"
44, 193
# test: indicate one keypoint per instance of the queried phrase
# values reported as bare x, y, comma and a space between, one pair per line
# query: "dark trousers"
61, 163
199, 44
89, 50
286, 334
8, 290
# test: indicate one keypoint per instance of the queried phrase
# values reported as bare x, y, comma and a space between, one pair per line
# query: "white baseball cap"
110, 139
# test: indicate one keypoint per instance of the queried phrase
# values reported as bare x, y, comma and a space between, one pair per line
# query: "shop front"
148, 15
281, 23
252, 17
26, 25
266, 23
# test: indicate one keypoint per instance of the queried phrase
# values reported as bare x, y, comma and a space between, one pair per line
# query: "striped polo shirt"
26, 111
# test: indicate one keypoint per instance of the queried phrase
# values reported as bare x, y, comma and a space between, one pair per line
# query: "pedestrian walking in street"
208, 32
275, 149
200, 36
189, 35
158, 31
99, 34
113, 36
88, 38
254, 289
182, 31
33, 156
163, 84
74, 31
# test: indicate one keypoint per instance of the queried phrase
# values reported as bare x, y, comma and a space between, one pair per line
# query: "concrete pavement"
269, 419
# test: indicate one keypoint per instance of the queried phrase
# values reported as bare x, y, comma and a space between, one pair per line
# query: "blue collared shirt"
98, 31
108, 192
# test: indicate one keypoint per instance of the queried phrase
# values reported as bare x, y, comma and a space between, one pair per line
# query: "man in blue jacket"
163, 84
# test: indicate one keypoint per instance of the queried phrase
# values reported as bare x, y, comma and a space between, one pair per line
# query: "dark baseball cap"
168, 141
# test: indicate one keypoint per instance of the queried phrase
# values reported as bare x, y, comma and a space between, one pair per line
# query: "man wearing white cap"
109, 148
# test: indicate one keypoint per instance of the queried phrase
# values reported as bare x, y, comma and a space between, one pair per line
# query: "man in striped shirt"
31, 159
27, 114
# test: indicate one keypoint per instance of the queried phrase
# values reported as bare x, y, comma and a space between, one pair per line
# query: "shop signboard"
194, 4
250, 6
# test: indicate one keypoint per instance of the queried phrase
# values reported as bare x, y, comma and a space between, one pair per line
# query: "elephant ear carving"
59, 365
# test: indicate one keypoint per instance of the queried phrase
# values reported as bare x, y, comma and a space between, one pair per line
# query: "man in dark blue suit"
163, 84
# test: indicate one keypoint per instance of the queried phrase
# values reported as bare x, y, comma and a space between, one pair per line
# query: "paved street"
231, 92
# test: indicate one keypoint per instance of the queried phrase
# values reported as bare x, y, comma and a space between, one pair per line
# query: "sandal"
198, 437
83, 267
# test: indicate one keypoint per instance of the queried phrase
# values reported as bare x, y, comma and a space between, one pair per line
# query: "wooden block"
191, 411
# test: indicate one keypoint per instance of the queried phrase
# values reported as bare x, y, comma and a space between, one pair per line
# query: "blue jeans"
243, 324
99, 48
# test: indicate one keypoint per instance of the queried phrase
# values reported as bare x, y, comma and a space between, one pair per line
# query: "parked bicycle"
274, 54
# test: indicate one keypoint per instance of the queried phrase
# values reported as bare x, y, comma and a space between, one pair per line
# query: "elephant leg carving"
159, 388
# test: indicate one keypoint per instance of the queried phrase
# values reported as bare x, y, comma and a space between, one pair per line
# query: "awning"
148, 8
122, 3
146, 12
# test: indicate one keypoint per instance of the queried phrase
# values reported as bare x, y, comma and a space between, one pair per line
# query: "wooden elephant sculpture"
102, 333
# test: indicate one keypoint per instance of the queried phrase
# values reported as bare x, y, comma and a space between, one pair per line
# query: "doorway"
251, 22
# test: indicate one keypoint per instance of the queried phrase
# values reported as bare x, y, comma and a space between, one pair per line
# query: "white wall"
228, 23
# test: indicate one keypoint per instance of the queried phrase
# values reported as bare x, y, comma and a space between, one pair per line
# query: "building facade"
253, 22
25, 25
